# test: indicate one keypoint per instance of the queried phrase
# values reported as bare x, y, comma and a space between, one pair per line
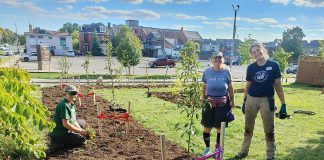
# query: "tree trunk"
129, 72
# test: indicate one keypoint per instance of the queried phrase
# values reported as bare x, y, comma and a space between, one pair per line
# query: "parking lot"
97, 65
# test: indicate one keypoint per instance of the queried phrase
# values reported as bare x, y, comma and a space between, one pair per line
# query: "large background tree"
129, 48
7, 36
321, 49
75, 40
96, 49
292, 42
70, 28
281, 56
244, 50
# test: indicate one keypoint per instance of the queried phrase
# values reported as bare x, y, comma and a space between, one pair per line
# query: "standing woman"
263, 77
218, 93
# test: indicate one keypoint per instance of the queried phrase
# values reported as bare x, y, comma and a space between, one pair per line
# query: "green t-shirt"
64, 110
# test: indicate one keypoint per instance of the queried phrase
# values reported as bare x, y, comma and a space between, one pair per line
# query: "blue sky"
265, 20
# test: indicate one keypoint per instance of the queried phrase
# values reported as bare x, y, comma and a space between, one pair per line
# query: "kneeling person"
68, 132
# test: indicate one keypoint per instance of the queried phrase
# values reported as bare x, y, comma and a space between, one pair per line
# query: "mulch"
140, 143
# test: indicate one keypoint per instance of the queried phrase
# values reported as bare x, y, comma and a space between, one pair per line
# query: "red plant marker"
91, 94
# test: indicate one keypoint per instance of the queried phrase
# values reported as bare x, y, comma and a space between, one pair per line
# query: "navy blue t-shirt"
262, 78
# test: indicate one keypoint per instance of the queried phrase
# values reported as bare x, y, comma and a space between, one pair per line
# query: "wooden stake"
80, 104
73, 79
127, 123
79, 81
70, 80
99, 121
94, 96
163, 146
114, 124
222, 138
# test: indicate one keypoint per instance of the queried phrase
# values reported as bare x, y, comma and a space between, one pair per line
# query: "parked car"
293, 69
3, 48
32, 56
235, 62
162, 62
70, 53
8, 52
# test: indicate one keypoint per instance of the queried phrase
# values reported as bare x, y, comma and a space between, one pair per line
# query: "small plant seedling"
91, 133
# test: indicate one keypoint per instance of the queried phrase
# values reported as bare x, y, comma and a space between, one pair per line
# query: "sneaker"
241, 155
206, 151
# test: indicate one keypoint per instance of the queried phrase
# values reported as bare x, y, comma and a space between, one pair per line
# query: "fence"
310, 70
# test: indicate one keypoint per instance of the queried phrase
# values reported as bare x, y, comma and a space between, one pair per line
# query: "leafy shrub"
22, 117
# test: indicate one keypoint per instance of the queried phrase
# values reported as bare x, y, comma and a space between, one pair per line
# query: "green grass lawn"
56, 75
301, 137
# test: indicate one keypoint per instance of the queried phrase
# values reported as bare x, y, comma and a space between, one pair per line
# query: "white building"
59, 42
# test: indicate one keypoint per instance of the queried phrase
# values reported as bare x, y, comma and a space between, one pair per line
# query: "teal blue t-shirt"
217, 82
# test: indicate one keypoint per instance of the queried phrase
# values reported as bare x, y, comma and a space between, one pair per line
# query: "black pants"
70, 140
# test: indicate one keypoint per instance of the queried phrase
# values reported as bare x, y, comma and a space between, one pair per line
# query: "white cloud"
102, 12
309, 3
167, 1
305, 3
66, 1
284, 2
184, 16
218, 25
261, 20
283, 26
98, 1
12, 3
24, 5
68, 7
292, 19
65, 8
74, 1
229, 18
251, 20
135, 1
249, 28
187, 27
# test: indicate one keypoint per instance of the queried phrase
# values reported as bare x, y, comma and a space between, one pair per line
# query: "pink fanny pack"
217, 101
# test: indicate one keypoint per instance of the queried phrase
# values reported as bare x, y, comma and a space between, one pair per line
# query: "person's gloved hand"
243, 106
283, 111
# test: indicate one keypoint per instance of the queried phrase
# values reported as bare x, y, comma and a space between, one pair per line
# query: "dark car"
162, 62
235, 62
292, 69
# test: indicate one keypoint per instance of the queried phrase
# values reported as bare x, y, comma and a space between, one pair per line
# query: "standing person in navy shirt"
218, 93
263, 77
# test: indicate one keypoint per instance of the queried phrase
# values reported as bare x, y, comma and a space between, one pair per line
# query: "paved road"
97, 65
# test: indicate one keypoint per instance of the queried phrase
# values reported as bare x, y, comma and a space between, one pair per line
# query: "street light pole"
210, 50
234, 32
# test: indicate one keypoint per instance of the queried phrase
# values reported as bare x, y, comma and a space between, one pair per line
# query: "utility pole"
234, 32
17, 38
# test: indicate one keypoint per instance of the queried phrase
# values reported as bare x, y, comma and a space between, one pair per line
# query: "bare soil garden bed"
141, 143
